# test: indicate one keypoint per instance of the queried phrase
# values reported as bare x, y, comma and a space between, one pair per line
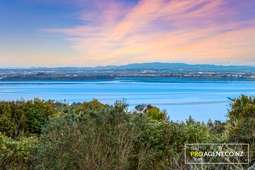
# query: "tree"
241, 122
152, 112
25, 117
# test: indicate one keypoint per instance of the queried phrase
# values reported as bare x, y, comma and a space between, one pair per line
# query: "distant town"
146, 70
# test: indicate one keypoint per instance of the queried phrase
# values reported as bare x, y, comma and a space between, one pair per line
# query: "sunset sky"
111, 32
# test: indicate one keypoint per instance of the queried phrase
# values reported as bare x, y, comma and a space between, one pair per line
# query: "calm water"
202, 100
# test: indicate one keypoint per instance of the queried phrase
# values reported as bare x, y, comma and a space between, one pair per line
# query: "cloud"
196, 31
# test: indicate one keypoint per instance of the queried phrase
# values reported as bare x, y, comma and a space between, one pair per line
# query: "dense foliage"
41, 134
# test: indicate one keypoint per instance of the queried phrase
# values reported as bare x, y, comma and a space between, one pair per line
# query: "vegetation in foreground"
41, 134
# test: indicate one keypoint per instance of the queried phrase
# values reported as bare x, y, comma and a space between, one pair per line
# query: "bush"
16, 154
24, 118
102, 140
40, 134
241, 123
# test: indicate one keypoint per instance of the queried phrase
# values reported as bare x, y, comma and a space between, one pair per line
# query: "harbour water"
203, 100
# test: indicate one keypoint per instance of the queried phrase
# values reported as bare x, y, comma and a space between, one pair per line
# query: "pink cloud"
166, 30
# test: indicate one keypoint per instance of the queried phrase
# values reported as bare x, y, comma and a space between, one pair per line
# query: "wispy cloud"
198, 31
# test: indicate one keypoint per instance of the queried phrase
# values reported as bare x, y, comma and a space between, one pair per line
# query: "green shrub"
99, 140
16, 154
24, 118
40, 134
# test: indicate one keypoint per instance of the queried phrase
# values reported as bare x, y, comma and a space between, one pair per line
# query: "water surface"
202, 100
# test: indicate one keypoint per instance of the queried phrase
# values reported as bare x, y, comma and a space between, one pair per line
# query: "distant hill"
180, 67
157, 66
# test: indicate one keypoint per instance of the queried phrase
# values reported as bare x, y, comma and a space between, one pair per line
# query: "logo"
213, 153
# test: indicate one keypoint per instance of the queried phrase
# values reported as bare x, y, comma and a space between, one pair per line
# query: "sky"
115, 32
